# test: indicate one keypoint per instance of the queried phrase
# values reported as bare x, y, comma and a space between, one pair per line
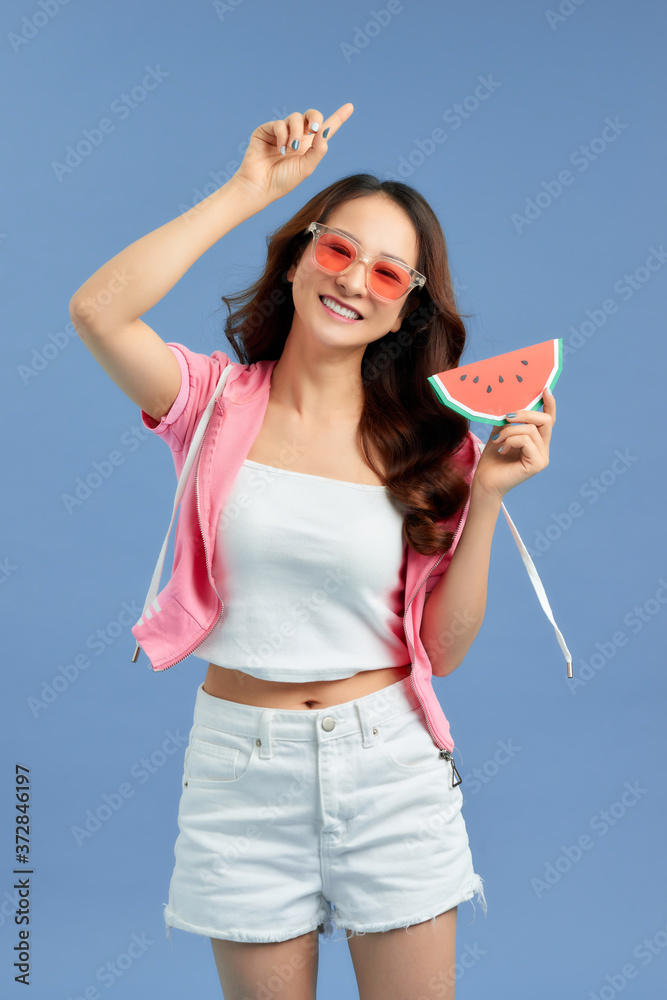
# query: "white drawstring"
151, 604
539, 589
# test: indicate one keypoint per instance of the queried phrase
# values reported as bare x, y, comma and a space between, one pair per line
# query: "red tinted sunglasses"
387, 278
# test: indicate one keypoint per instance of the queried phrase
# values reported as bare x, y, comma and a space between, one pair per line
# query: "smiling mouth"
340, 306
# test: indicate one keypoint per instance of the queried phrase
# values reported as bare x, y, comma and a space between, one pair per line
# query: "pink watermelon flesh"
487, 390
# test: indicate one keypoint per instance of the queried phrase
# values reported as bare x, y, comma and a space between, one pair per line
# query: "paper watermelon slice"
487, 390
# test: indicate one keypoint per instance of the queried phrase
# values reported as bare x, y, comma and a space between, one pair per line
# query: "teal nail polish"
495, 436
510, 414
295, 144
326, 132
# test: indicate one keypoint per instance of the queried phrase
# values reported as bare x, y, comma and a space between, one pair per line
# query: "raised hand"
268, 173
520, 449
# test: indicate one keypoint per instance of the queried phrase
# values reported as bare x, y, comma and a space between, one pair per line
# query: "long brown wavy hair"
402, 422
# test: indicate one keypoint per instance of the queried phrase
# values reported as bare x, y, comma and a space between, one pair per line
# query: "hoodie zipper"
222, 606
444, 753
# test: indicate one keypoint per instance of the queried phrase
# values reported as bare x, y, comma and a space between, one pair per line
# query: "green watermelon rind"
489, 418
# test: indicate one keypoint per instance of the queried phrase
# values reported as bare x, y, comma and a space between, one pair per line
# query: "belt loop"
368, 736
265, 733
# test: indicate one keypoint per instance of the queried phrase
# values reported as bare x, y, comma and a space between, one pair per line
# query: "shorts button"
328, 723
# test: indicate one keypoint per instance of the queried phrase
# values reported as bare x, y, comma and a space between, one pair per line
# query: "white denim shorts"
343, 818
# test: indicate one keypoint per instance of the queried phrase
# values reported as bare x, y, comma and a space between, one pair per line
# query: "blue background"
66, 575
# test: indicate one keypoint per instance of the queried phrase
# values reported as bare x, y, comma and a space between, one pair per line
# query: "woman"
317, 775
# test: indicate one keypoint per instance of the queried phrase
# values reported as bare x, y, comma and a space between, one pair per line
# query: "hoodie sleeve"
199, 376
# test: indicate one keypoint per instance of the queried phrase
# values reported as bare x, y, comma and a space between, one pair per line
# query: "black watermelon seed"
488, 388
500, 378
524, 362
519, 378
476, 378
463, 377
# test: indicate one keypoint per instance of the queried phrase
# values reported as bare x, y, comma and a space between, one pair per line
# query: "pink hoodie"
188, 606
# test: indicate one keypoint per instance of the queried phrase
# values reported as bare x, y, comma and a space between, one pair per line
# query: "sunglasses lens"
335, 253
389, 279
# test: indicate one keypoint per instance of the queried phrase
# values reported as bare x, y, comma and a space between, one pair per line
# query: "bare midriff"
235, 685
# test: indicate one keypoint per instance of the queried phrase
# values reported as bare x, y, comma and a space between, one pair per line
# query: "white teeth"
333, 305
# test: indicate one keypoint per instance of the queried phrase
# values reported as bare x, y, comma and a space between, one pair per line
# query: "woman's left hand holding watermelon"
520, 449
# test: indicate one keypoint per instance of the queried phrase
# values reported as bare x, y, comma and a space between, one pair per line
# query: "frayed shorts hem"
172, 919
476, 889
326, 923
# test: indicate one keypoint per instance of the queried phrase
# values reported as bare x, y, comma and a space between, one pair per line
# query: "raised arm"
105, 310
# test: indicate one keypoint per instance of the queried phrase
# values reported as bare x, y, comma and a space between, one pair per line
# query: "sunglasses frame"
416, 278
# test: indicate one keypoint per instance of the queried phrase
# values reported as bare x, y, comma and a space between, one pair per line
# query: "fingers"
532, 438
525, 435
292, 133
298, 132
549, 403
338, 118
541, 422
312, 121
281, 133
533, 455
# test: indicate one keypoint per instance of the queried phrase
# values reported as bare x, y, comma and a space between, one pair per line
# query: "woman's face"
380, 226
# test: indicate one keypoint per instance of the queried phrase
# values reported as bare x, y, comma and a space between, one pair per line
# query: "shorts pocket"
407, 747
215, 758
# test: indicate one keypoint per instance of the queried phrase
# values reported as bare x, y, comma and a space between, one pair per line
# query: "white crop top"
313, 588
